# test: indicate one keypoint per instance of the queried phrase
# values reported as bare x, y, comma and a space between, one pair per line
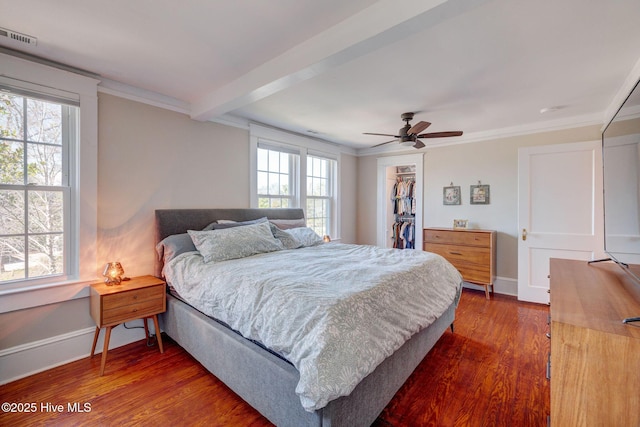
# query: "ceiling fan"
408, 135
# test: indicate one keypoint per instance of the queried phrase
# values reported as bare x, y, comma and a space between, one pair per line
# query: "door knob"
524, 234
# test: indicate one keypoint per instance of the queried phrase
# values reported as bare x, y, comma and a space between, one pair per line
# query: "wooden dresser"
595, 358
472, 252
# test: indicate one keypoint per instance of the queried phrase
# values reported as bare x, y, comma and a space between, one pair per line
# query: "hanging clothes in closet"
404, 208
404, 234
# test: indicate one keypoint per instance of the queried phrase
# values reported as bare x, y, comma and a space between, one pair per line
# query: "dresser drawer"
132, 297
469, 238
140, 309
473, 263
457, 254
474, 273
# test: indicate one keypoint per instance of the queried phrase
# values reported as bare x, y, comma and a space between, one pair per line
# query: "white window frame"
331, 187
294, 167
82, 267
271, 137
69, 125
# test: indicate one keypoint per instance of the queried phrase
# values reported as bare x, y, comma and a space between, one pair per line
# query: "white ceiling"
336, 68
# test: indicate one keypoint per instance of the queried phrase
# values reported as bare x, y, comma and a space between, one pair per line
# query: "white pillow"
305, 235
236, 242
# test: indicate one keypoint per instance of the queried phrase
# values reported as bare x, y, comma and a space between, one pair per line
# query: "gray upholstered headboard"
177, 221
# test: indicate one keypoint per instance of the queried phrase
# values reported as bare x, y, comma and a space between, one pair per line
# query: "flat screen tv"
621, 174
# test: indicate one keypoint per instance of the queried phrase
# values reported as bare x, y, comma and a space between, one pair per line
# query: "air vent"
22, 38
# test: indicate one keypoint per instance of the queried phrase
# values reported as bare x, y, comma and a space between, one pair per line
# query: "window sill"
20, 298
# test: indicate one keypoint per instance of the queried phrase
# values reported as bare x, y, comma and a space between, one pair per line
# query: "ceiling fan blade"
381, 134
440, 134
378, 145
419, 144
418, 127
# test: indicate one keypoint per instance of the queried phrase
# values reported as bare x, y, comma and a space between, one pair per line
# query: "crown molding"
123, 90
621, 96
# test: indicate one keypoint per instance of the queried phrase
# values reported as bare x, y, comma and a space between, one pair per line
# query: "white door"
559, 211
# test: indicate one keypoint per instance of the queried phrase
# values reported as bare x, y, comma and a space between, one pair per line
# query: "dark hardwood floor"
490, 372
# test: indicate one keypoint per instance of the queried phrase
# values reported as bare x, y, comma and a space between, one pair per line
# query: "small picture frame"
460, 224
479, 195
451, 195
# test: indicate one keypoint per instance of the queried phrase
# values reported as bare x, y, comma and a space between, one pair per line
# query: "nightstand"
139, 298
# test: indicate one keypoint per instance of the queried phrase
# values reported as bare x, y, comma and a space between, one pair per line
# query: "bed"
264, 378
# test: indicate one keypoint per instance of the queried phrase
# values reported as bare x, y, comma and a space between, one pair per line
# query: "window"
320, 194
36, 133
292, 171
276, 173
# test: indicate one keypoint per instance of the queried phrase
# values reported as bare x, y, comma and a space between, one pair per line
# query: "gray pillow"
305, 235
285, 224
219, 225
172, 246
235, 242
288, 240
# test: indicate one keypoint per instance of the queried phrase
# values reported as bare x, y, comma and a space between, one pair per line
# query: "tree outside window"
34, 188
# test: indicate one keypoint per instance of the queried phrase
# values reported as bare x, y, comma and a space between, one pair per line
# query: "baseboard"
28, 359
502, 285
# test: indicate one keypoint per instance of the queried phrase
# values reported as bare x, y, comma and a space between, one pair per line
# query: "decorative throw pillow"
225, 223
285, 224
305, 235
287, 239
235, 242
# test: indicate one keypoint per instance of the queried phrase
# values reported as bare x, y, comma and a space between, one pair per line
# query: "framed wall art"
451, 195
479, 194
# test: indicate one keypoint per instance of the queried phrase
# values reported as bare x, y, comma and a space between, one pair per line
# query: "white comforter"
335, 311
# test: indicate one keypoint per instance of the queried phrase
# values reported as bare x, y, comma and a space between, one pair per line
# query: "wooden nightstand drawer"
137, 310
106, 300
135, 296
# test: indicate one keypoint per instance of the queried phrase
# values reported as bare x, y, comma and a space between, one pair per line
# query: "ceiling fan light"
407, 143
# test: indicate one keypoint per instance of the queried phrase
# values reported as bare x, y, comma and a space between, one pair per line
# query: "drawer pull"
455, 253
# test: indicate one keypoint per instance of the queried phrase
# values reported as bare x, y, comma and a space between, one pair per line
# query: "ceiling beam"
384, 22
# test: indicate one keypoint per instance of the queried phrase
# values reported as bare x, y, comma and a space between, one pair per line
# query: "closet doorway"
390, 169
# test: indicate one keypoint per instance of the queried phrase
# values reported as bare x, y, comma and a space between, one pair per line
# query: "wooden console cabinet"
472, 252
595, 358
